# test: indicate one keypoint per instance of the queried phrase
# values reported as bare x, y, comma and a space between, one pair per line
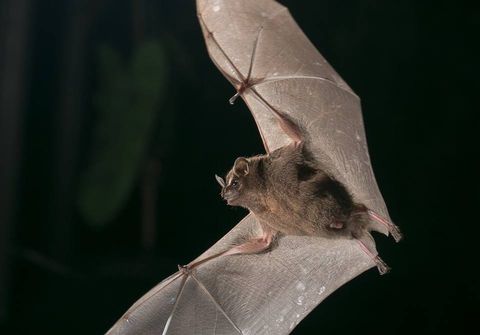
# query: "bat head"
238, 187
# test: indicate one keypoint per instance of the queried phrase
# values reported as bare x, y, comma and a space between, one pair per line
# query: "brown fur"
289, 193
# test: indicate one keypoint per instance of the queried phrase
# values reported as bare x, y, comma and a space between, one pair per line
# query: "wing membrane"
268, 293
258, 44
290, 75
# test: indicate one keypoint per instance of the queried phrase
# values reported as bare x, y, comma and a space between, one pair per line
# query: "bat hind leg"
395, 232
393, 229
253, 246
382, 267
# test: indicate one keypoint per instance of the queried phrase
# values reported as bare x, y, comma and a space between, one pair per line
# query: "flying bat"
312, 197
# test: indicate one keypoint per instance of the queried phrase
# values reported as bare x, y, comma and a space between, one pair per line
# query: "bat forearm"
290, 128
253, 246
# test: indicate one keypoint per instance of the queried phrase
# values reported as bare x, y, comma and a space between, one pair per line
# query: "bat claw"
396, 233
392, 228
232, 99
382, 267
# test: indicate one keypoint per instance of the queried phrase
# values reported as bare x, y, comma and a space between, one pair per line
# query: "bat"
271, 270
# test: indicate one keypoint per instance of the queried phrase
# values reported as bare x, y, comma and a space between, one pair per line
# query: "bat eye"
234, 183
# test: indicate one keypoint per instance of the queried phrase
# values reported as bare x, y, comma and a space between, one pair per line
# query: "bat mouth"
231, 202
230, 198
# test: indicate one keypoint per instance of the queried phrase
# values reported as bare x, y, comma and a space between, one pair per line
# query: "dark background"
65, 268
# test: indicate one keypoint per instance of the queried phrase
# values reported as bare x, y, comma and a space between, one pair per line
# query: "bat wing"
260, 49
267, 293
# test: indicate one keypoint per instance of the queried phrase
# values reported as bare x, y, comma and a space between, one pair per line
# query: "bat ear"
220, 181
241, 167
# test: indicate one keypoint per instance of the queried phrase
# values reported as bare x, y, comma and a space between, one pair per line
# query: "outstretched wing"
268, 293
260, 49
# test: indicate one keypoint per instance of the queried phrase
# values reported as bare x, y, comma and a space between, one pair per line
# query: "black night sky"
75, 253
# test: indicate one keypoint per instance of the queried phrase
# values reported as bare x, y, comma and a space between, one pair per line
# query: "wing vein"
229, 61
220, 308
177, 299
262, 135
145, 299
282, 78
254, 53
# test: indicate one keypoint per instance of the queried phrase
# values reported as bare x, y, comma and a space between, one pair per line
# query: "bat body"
314, 188
290, 194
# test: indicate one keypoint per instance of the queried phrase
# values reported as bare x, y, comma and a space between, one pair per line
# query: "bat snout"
229, 195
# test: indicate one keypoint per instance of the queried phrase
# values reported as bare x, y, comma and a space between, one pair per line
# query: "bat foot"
392, 228
382, 267
395, 232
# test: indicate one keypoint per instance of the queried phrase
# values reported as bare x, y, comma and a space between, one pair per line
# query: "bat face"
234, 191
239, 186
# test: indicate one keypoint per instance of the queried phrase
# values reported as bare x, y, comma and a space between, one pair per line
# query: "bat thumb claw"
232, 99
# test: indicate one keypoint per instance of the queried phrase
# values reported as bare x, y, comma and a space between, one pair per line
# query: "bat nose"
227, 194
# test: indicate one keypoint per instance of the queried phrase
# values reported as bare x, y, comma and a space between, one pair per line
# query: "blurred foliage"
127, 103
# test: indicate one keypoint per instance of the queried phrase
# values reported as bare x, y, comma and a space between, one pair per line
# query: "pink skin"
392, 229
381, 266
253, 246
336, 225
